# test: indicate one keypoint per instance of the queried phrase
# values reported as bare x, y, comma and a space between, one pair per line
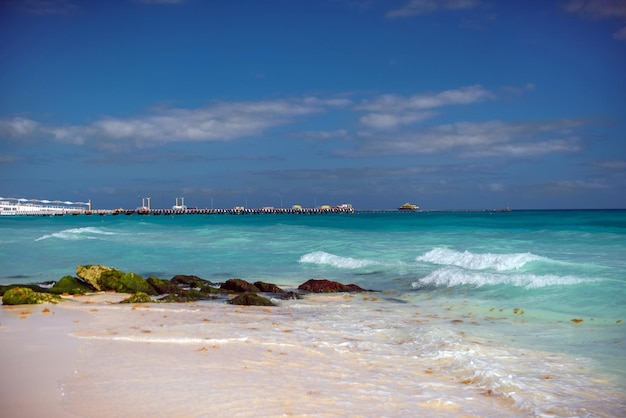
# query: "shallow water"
478, 313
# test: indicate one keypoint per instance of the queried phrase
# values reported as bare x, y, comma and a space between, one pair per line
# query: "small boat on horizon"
408, 207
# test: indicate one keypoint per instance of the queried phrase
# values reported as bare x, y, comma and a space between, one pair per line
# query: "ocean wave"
454, 276
77, 233
472, 261
321, 257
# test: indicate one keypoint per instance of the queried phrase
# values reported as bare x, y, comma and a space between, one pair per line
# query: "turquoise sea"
518, 313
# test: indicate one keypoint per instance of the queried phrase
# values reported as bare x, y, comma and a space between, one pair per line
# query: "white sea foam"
161, 340
77, 234
321, 257
468, 260
453, 276
525, 377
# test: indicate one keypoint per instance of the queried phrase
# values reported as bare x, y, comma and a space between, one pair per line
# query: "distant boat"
408, 207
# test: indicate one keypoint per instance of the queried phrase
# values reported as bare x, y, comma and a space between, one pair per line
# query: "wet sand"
91, 356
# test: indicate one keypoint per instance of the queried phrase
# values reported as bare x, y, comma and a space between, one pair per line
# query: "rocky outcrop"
239, 285
250, 299
190, 281
92, 273
138, 297
71, 286
163, 287
126, 283
26, 296
33, 287
268, 287
328, 286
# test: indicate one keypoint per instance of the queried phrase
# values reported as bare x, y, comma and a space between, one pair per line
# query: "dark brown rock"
268, 287
328, 286
163, 287
239, 286
189, 280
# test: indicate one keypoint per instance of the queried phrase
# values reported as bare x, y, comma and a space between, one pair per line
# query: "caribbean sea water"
485, 313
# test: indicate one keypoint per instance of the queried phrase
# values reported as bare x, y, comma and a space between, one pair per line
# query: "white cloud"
324, 135
581, 184
391, 102
601, 9
612, 164
527, 149
219, 122
421, 7
17, 127
389, 121
392, 111
474, 139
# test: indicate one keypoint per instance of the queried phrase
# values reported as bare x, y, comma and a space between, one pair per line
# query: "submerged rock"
71, 286
239, 285
250, 299
328, 286
26, 296
138, 297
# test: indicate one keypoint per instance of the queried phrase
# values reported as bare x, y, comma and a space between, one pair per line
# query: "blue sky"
449, 104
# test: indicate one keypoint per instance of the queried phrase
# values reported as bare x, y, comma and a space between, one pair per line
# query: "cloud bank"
382, 125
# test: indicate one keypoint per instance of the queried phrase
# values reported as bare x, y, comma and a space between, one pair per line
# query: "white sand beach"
327, 355
37, 354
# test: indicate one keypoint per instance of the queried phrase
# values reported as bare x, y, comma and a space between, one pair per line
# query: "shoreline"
327, 355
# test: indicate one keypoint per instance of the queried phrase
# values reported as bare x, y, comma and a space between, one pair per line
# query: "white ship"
36, 207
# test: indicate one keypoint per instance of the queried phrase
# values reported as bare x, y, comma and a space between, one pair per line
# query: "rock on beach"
328, 286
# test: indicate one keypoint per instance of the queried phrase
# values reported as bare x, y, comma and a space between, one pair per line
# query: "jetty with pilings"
35, 207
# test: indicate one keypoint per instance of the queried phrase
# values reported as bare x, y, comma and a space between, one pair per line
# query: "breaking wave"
454, 276
468, 260
77, 234
321, 257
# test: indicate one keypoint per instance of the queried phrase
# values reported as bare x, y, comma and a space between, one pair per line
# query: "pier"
36, 207
144, 211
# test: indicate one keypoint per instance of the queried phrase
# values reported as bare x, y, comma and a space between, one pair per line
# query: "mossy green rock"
26, 296
250, 299
163, 287
93, 274
33, 287
184, 296
71, 286
125, 283
138, 297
